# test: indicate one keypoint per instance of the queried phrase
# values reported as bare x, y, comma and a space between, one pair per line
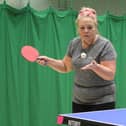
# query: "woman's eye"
82, 28
89, 27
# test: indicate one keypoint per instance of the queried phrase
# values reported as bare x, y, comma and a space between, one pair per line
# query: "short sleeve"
108, 52
69, 49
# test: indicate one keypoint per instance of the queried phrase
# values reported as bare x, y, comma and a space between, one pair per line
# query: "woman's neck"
87, 44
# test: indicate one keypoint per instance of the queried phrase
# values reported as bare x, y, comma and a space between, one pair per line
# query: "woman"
93, 59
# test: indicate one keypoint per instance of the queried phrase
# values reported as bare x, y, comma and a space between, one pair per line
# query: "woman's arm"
61, 66
106, 69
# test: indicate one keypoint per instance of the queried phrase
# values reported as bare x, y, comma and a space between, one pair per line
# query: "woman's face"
87, 30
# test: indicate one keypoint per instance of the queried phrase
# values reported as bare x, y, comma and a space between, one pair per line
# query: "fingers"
93, 62
90, 66
42, 60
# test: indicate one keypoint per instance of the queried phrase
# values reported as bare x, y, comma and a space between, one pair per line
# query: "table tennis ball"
83, 55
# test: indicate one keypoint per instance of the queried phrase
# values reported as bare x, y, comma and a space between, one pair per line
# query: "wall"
116, 7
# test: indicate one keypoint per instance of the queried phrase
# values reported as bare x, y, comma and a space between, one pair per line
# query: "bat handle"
45, 61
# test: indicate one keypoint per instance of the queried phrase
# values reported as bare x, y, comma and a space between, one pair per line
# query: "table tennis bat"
29, 53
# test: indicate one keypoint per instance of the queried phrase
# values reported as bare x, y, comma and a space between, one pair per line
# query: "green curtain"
114, 28
32, 95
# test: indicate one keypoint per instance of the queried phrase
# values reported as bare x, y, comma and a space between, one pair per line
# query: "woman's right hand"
42, 60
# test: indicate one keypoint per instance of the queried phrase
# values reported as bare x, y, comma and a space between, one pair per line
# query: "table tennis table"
114, 117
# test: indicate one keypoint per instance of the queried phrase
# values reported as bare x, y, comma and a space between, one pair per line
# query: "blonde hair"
87, 12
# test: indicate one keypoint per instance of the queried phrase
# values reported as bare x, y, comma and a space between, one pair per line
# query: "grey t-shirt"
89, 88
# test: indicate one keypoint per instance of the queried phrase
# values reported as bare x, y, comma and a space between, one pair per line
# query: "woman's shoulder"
76, 40
105, 43
103, 39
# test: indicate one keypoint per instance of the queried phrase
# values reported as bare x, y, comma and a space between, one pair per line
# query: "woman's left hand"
90, 66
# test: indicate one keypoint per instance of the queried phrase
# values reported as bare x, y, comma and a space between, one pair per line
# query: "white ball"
83, 55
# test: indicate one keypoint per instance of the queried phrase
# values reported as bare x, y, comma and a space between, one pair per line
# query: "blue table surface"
115, 116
